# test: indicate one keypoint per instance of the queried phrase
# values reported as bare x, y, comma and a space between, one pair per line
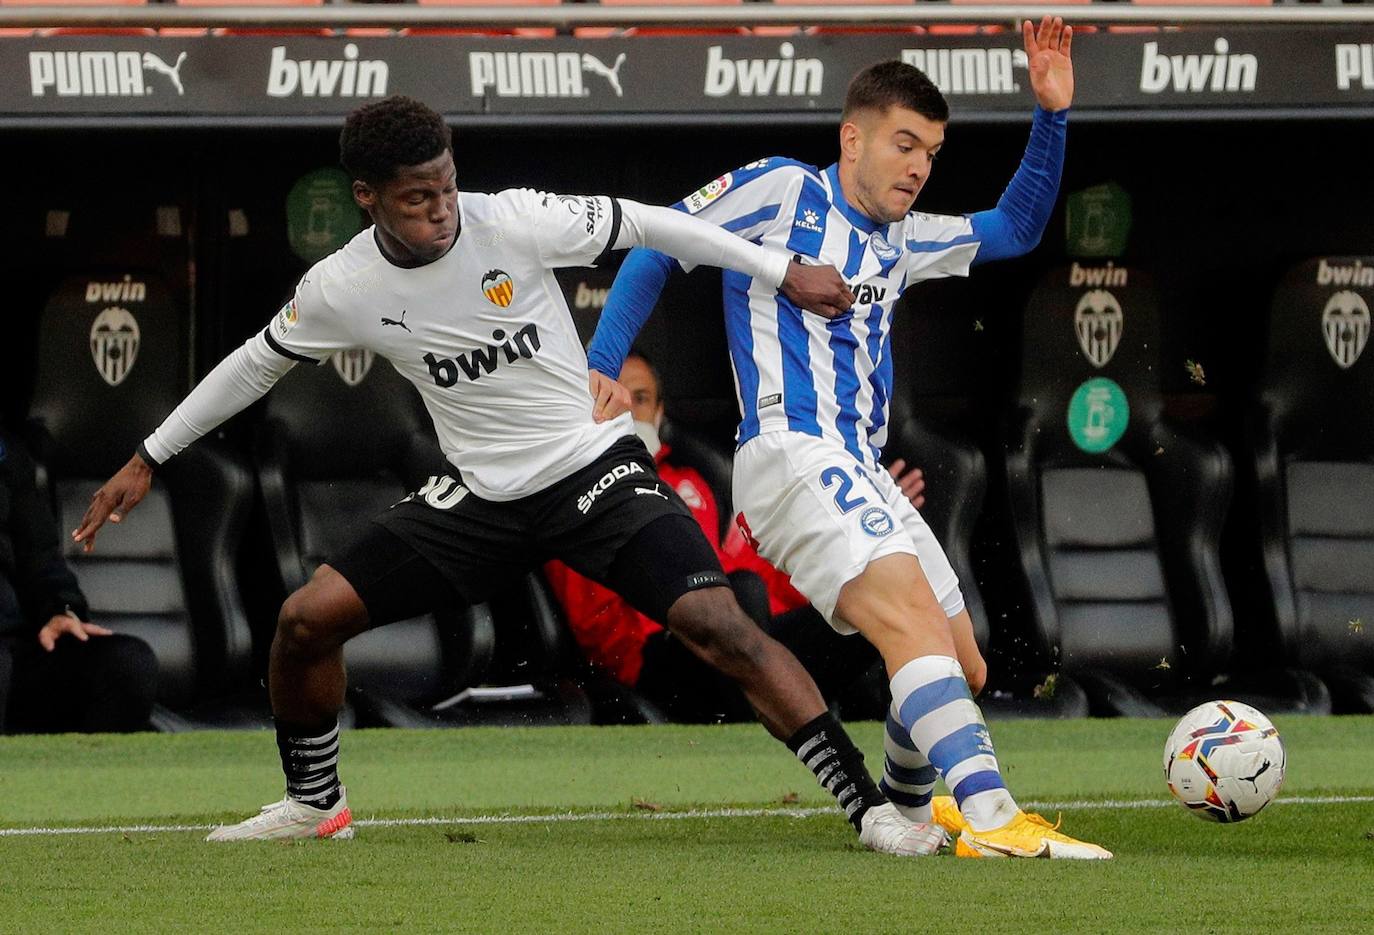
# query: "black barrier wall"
1213, 70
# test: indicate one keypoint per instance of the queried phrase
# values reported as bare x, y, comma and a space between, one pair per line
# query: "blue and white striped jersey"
795, 370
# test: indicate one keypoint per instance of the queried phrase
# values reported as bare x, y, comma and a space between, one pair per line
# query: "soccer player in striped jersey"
814, 391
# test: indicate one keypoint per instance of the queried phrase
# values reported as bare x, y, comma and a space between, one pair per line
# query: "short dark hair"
894, 83
653, 371
381, 138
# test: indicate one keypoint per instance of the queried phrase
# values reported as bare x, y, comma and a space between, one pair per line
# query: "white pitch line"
810, 812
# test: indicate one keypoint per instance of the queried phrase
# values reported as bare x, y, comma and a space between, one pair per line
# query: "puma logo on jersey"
523, 344
400, 323
584, 502
653, 490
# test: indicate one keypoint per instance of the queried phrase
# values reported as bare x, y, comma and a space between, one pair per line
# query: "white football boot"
886, 831
290, 819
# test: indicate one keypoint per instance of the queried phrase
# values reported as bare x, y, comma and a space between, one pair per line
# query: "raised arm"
1015, 226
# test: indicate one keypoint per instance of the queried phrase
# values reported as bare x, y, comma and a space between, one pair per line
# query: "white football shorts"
821, 517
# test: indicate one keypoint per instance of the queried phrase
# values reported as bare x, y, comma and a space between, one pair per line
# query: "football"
1224, 761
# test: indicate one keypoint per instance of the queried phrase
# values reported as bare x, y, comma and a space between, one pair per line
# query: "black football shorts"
615, 521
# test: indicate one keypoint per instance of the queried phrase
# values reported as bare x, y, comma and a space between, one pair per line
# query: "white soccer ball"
1224, 761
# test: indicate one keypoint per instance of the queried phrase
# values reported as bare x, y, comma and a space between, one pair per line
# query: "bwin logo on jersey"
523, 344
1345, 325
969, 71
353, 364
114, 344
99, 74
1098, 319
584, 502
539, 74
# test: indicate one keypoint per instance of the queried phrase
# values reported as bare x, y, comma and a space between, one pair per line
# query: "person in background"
58, 671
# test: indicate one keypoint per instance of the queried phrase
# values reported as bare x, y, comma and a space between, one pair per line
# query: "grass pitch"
660, 829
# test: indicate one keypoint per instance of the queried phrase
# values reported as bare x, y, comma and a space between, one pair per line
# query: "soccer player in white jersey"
814, 397
457, 291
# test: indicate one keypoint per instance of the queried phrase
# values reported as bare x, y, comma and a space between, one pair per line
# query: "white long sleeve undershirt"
697, 242
237, 382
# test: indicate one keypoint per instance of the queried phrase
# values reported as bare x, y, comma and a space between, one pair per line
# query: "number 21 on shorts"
838, 480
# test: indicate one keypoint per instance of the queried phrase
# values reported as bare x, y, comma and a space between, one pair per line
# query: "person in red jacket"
641, 654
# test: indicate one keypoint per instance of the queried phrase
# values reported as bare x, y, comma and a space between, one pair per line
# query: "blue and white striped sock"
908, 777
931, 699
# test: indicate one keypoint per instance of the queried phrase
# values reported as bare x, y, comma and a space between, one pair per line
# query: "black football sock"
825, 748
310, 760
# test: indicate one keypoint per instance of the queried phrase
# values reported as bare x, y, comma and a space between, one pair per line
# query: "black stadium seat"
112, 362
1117, 514
1312, 439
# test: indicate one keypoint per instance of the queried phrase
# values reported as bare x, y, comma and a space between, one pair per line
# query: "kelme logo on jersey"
809, 220
1098, 320
524, 344
876, 521
584, 502
498, 287
708, 193
114, 344
1345, 325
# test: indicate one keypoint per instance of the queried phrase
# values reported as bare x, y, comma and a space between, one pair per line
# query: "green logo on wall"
321, 215
1098, 414
1098, 221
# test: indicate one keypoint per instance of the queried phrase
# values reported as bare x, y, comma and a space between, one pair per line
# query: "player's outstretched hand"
62, 624
1047, 55
120, 494
912, 483
818, 289
609, 398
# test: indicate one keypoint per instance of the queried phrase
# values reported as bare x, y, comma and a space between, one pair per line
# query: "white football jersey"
484, 333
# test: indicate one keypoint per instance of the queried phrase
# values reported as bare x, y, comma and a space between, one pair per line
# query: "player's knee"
302, 628
718, 631
976, 674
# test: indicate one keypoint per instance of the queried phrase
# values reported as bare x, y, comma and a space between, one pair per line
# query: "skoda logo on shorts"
876, 522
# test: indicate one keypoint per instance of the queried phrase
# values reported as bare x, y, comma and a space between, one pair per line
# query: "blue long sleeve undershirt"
1010, 229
